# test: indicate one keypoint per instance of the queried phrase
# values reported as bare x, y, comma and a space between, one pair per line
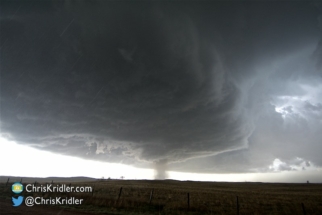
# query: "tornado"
160, 168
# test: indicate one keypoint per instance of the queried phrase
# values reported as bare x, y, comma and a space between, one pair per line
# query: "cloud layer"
207, 87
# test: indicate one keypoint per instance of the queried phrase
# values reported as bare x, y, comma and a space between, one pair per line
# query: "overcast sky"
197, 87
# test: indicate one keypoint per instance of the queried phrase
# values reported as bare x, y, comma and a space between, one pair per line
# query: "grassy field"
171, 197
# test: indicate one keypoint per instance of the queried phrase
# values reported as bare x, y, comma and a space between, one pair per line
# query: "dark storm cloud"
318, 51
156, 82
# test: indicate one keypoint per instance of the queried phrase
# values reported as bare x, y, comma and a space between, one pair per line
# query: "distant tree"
307, 182
122, 177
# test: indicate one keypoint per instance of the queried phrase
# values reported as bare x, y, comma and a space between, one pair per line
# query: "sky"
210, 90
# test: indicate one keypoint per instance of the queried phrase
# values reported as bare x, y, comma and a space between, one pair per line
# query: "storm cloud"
194, 86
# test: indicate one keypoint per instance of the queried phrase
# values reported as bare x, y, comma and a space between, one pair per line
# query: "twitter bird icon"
17, 201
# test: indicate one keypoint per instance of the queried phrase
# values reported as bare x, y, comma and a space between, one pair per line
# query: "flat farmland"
177, 197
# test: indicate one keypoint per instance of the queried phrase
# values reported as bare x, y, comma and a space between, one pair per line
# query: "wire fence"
131, 197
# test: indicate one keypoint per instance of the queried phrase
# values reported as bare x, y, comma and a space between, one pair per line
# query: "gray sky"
207, 87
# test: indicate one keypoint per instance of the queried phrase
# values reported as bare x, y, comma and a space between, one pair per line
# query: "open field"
171, 197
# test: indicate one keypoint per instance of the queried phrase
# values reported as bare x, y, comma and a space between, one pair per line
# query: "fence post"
7, 181
20, 180
303, 208
119, 194
151, 195
188, 200
237, 205
52, 181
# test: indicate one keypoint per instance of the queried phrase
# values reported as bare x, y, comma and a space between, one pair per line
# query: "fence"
131, 197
